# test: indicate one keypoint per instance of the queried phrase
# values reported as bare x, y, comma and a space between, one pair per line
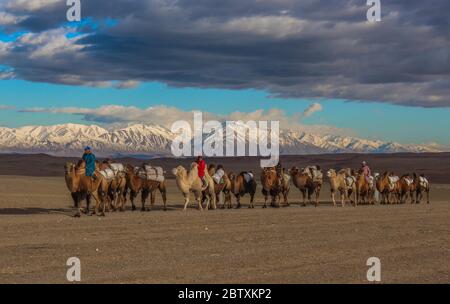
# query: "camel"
274, 186
364, 189
223, 186
117, 192
137, 184
338, 183
189, 182
82, 186
304, 183
241, 186
405, 187
421, 185
387, 187
315, 173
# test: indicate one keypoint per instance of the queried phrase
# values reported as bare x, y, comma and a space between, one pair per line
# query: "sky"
314, 65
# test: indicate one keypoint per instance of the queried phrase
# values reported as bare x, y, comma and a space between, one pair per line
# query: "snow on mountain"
153, 140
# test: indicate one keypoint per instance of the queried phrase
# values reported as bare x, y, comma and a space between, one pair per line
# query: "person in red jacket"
201, 165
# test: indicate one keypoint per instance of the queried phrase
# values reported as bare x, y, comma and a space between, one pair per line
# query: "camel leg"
252, 198
97, 205
265, 198
162, 189
144, 196
199, 202
238, 201
152, 199
304, 197
133, 195
285, 195
212, 198
332, 198
428, 196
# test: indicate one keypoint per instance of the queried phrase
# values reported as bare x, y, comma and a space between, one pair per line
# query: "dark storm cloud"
311, 48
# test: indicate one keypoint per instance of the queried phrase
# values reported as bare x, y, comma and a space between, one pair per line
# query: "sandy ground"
285, 245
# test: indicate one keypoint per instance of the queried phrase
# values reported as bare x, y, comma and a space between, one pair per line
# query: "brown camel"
405, 187
387, 187
117, 192
240, 186
364, 189
137, 184
303, 181
189, 182
382, 186
421, 185
82, 186
223, 186
275, 186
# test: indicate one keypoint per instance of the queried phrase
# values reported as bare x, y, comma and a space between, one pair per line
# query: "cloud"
312, 108
166, 116
290, 48
6, 107
128, 84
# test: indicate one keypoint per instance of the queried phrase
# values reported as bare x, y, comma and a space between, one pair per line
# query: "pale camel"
240, 186
421, 184
82, 186
189, 182
137, 184
338, 183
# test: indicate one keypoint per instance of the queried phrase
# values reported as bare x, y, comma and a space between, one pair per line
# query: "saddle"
113, 170
248, 176
149, 172
423, 181
218, 176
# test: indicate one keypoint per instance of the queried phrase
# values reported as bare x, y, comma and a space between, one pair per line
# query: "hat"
87, 148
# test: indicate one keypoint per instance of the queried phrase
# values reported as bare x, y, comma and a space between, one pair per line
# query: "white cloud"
8, 19
128, 84
166, 116
313, 108
6, 107
32, 5
273, 26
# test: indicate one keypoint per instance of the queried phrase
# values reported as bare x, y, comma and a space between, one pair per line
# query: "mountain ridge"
154, 140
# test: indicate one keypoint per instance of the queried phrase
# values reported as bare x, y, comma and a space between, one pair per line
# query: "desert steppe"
275, 245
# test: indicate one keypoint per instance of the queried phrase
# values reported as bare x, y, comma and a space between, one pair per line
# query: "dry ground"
285, 245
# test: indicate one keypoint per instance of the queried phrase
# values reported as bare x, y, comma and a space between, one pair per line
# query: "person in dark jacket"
89, 159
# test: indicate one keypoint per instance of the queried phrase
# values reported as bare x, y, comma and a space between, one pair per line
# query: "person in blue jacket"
89, 159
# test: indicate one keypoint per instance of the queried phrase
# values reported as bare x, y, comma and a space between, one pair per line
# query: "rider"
201, 165
366, 171
279, 170
89, 159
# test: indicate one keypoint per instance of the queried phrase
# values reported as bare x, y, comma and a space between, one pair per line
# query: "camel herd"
114, 183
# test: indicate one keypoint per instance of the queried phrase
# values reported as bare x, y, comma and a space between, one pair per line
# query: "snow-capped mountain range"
153, 141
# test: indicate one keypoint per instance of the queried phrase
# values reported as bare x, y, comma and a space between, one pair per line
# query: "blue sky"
369, 120
226, 56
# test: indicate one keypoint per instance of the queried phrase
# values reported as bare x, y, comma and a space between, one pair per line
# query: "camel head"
69, 167
179, 171
331, 173
293, 171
